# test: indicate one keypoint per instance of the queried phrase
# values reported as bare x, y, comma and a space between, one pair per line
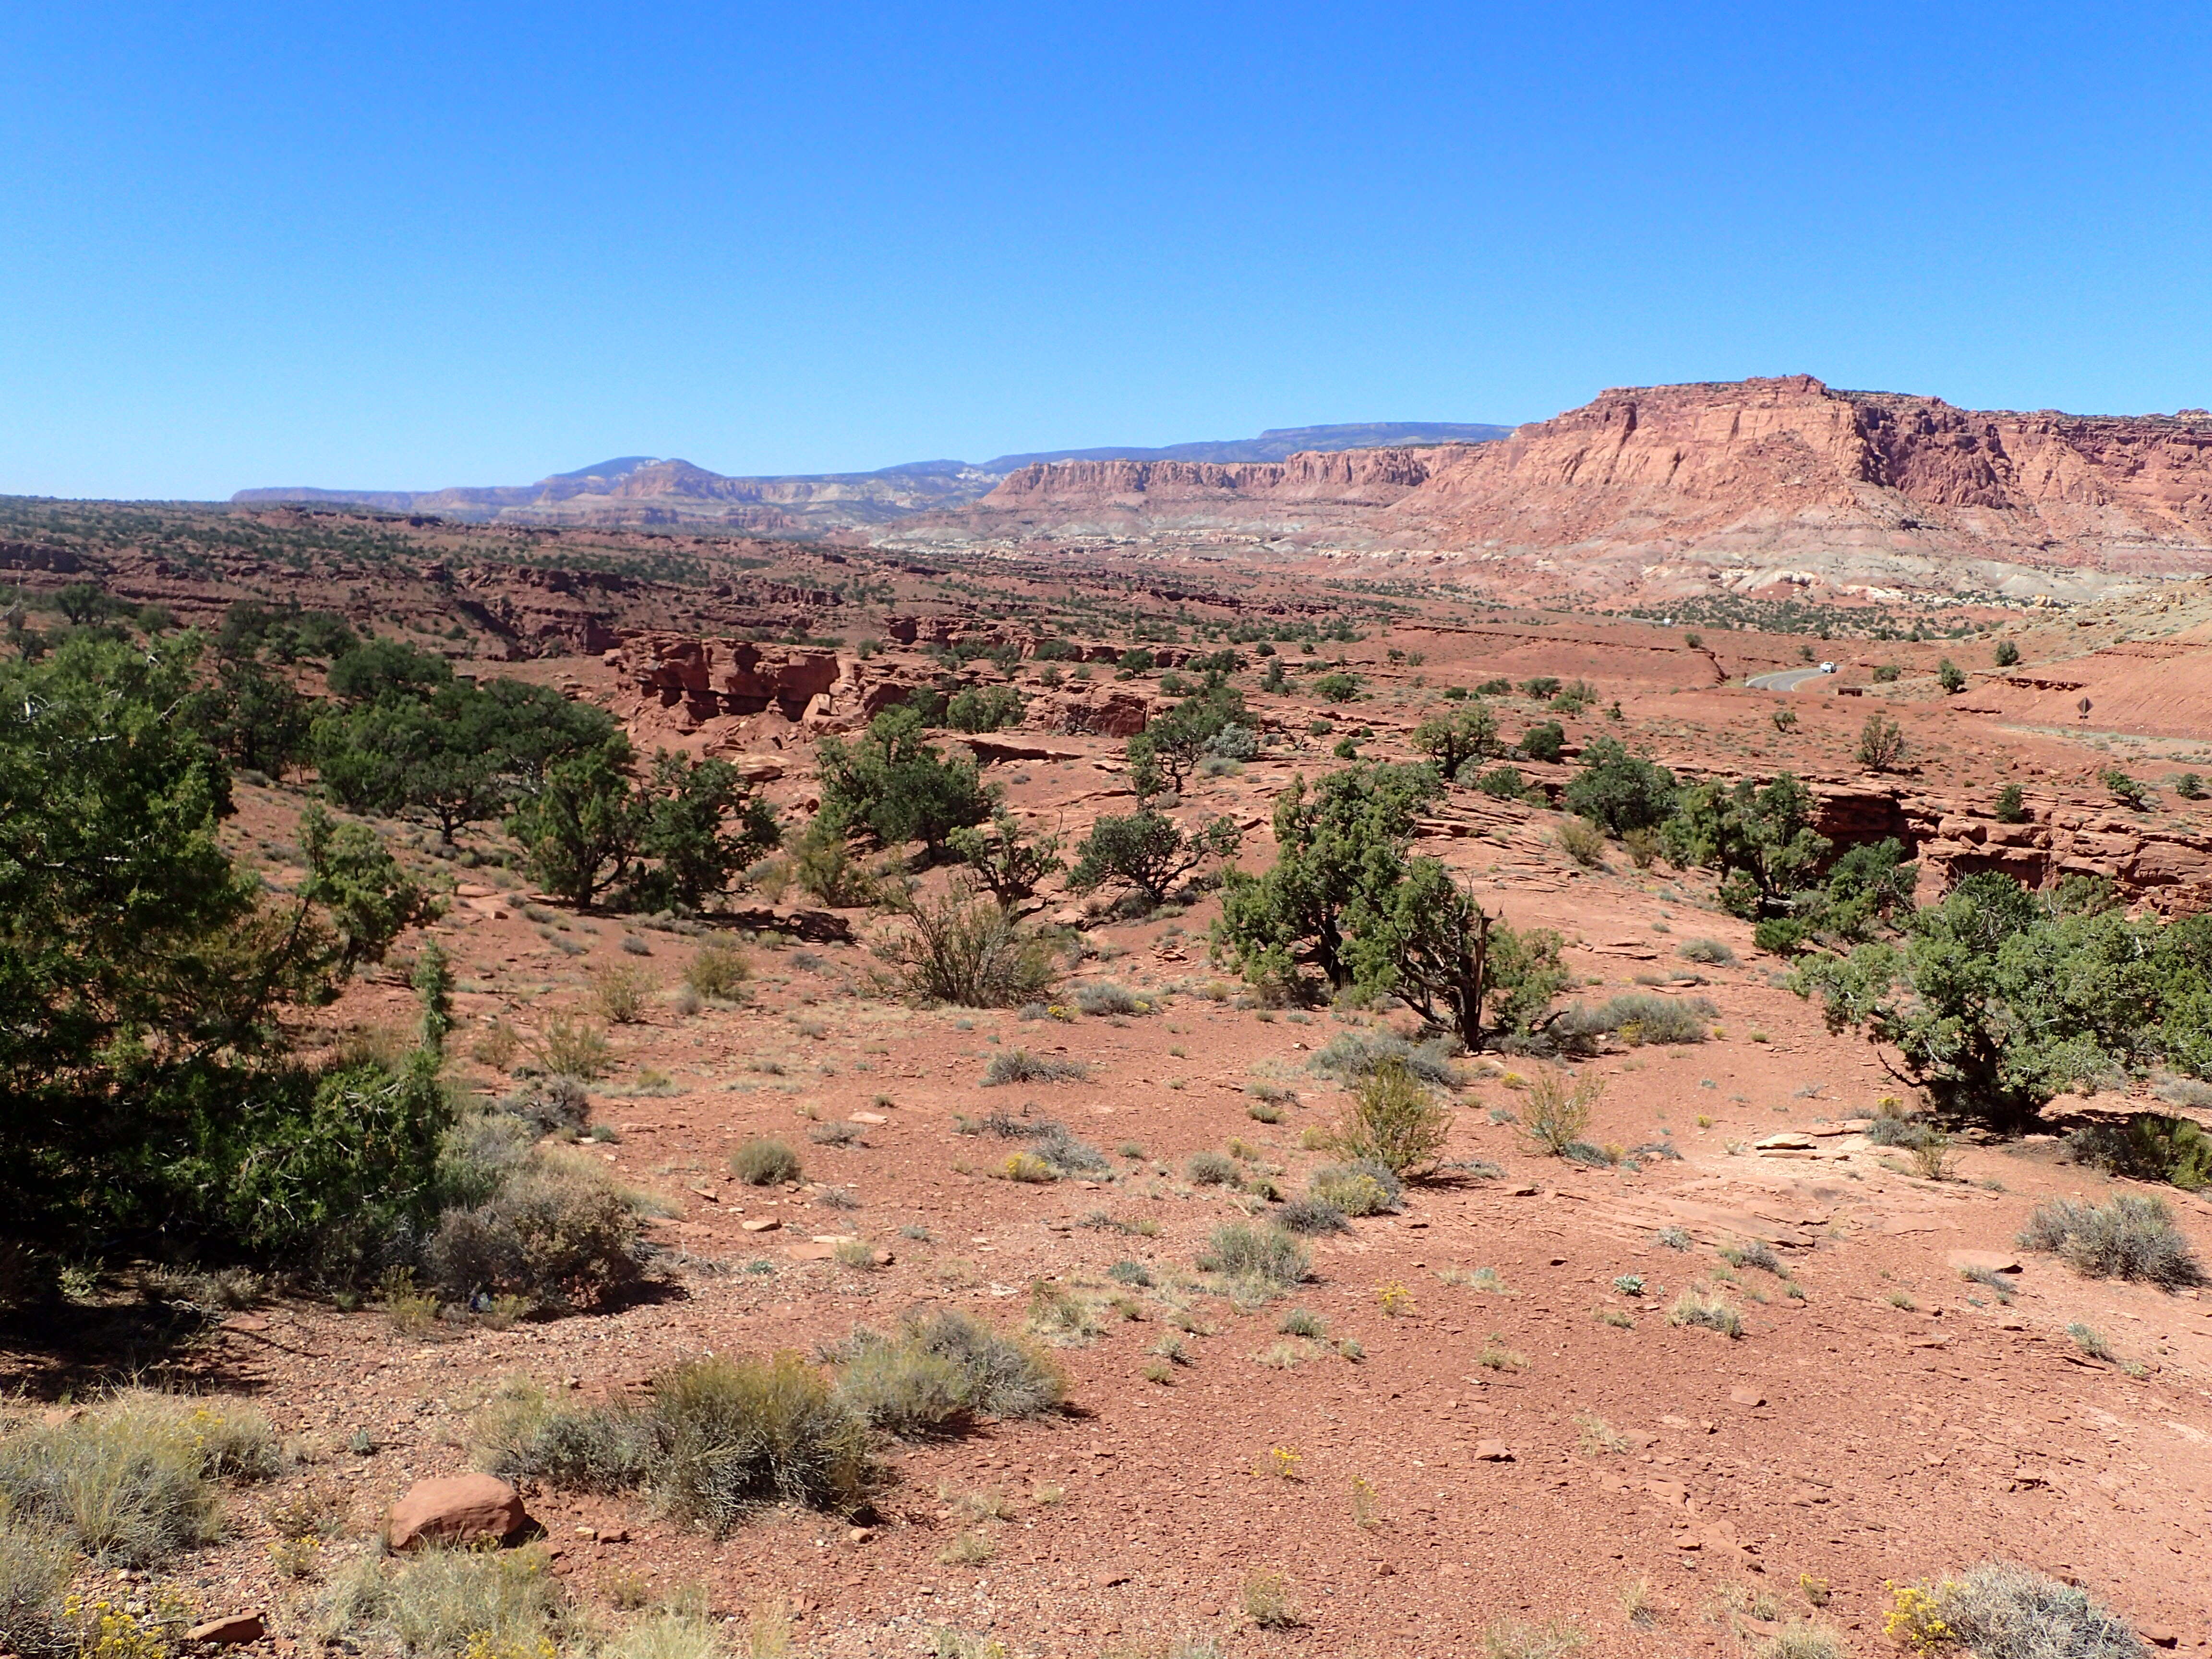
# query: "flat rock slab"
455, 1510
228, 1632
1986, 1261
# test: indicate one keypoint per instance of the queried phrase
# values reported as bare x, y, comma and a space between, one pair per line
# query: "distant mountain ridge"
646, 490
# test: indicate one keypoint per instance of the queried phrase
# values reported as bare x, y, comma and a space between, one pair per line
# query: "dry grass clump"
34, 1567
451, 1602
135, 1476
1212, 1169
764, 1162
1557, 1110
1264, 1260
1266, 1600
1707, 1310
1710, 952
1512, 1639
669, 1633
718, 1439
1019, 1065
1394, 1120
718, 972
1804, 1638
941, 1370
2129, 1236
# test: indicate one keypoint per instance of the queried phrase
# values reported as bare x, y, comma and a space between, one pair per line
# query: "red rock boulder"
455, 1510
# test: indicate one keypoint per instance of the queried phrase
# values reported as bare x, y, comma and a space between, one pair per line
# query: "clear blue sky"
409, 245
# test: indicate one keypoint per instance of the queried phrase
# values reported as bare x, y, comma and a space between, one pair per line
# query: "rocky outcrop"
2162, 866
1783, 483
707, 678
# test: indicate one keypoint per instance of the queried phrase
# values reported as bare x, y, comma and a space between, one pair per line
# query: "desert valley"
1590, 1037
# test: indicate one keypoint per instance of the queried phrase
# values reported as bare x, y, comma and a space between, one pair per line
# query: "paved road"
1787, 680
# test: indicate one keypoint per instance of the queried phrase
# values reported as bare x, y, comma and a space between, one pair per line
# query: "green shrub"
1356, 1189
1394, 1121
1641, 1018
967, 951
1503, 783
1103, 997
1581, 843
2128, 1237
765, 1163
2148, 1146
1265, 1260
1019, 1065
1618, 792
942, 1369
718, 972
984, 708
1558, 1110
1337, 688
892, 788
729, 1435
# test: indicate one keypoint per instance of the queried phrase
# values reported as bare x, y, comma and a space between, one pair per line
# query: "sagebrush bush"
1263, 1258
1104, 997
969, 951
1311, 1217
2129, 1236
764, 1162
1353, 1054
1639, 1016
1709, 951
1356, 1189
134, 1478
1212, 1169
1394, 1120
1020, 1065
940, 1370
1066, 1154
718, 1438
718, 971
2001, 1611
440, 1602
556, 1238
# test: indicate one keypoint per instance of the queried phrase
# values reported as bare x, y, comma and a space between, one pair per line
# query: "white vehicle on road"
1827, 668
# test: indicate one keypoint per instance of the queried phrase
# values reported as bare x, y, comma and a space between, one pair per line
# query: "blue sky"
408, 245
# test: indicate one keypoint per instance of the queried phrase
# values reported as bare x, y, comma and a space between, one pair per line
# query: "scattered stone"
764, 1223
866, 1117
1746, 1397
1492, 1451
455, 1510
1788, 1141
237, 1627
